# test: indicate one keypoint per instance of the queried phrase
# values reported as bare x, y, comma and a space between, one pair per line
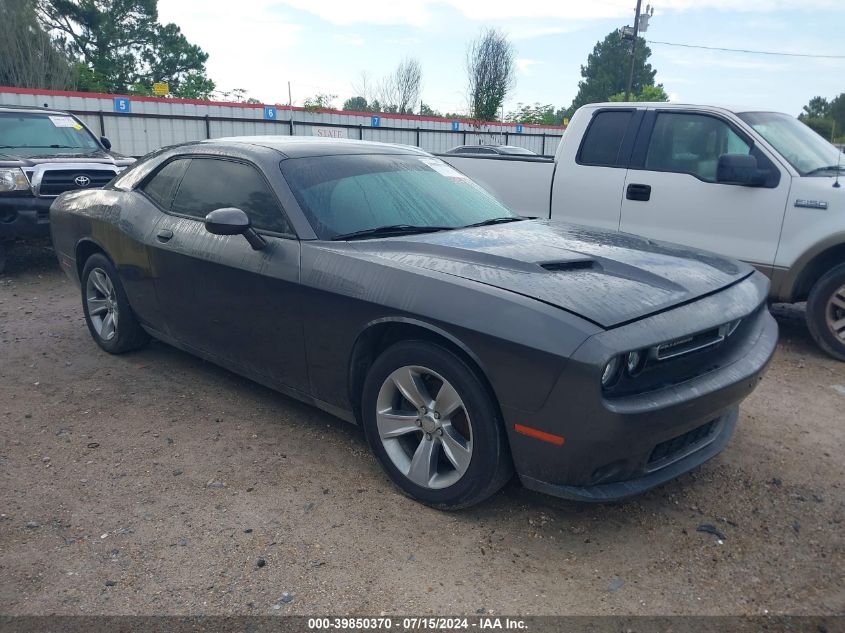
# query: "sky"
327, 46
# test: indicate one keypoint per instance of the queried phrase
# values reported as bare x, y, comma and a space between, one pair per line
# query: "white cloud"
524, 65
420, 12
349, 40
242, 45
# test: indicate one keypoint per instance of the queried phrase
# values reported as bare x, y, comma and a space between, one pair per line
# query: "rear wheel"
107, 313
434, 427
826, 312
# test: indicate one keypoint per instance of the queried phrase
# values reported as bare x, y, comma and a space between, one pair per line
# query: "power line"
745, 50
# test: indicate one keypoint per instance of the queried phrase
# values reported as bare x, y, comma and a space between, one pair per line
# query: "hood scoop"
570, 265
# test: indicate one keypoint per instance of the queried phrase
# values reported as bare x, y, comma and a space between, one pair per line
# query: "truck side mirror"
105, 142
740, 169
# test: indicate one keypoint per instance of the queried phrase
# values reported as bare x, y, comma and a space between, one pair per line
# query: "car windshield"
352, 193
38, 133
521, 151
805, 150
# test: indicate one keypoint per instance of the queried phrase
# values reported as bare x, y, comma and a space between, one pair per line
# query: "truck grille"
672, 450
58, 181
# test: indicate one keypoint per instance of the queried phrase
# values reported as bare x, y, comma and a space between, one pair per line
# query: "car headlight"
611, 372
634, 362
13, 180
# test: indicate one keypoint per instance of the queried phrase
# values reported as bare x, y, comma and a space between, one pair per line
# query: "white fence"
138, 125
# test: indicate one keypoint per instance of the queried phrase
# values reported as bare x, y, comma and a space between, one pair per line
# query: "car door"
220, 296
671, 192
588, 190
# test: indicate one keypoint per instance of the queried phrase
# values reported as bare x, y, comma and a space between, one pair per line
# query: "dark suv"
44, 153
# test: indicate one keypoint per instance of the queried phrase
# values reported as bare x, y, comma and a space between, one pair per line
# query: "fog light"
611, 371
634, 363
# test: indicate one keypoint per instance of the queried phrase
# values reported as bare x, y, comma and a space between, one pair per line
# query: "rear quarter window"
602, 143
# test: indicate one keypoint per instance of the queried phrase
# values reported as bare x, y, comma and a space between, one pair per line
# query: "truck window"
603, 140
691, 144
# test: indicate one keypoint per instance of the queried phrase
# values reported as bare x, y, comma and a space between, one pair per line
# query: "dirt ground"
155, 483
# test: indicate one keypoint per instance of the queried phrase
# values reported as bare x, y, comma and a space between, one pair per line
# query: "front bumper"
616, 447
24, 217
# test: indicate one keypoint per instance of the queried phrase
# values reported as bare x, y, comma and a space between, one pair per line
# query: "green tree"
356, 104
817, 107
320, 101
120, 46
607, 69
648, 93
491, 69
539, 114
28, 57
427, 110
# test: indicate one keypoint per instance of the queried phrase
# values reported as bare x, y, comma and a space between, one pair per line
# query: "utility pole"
633, 50
290, 99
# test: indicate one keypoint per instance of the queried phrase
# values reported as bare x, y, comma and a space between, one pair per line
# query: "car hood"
606, 277
20, 158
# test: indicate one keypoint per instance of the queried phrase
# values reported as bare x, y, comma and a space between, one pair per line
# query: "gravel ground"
155, 483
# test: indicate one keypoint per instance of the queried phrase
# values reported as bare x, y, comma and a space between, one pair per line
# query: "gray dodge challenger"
380, 284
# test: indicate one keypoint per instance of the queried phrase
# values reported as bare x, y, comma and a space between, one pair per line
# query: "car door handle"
638, 192
164, 235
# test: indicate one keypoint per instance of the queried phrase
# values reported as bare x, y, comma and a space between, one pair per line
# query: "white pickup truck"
754, 185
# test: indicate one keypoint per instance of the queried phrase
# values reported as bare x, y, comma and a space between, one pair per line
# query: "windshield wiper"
825, 168
392, 229
41, 147
492, 221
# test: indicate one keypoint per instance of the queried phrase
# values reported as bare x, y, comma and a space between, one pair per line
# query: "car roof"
308, 146
736, 109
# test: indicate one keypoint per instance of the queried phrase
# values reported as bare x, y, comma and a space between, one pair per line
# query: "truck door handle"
164, 235
638, 192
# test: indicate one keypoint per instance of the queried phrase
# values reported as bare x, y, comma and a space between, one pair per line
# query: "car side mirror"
106, 142
740, 169
232, 221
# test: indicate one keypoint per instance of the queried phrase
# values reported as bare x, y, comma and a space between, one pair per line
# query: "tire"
103, 302
462, 455
3, 248
826, 312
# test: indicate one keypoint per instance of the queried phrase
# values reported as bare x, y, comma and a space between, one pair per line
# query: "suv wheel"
826, 312
434, 426
110, 319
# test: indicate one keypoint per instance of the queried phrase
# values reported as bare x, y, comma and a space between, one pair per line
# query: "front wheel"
107, 313
434, 426
826, 312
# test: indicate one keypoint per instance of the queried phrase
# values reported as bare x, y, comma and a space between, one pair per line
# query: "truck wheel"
826, 312
107, 312
434, 427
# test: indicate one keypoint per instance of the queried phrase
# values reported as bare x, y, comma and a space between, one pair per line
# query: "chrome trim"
722, 332
37, 174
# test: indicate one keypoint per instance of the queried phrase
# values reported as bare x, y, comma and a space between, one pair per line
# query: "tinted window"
162, 186
691, 144
344, 194
603, 141
211, 184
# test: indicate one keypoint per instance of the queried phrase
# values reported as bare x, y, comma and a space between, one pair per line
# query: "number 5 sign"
122, 104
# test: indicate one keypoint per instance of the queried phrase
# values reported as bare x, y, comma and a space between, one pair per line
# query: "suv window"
211, 184
162, 186
603, 140
691, 144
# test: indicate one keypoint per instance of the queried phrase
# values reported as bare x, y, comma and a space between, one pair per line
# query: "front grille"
671, 450
58, 181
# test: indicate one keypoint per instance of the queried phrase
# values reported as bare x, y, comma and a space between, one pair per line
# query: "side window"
164, 183
691, 144
603, 140
211, 184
